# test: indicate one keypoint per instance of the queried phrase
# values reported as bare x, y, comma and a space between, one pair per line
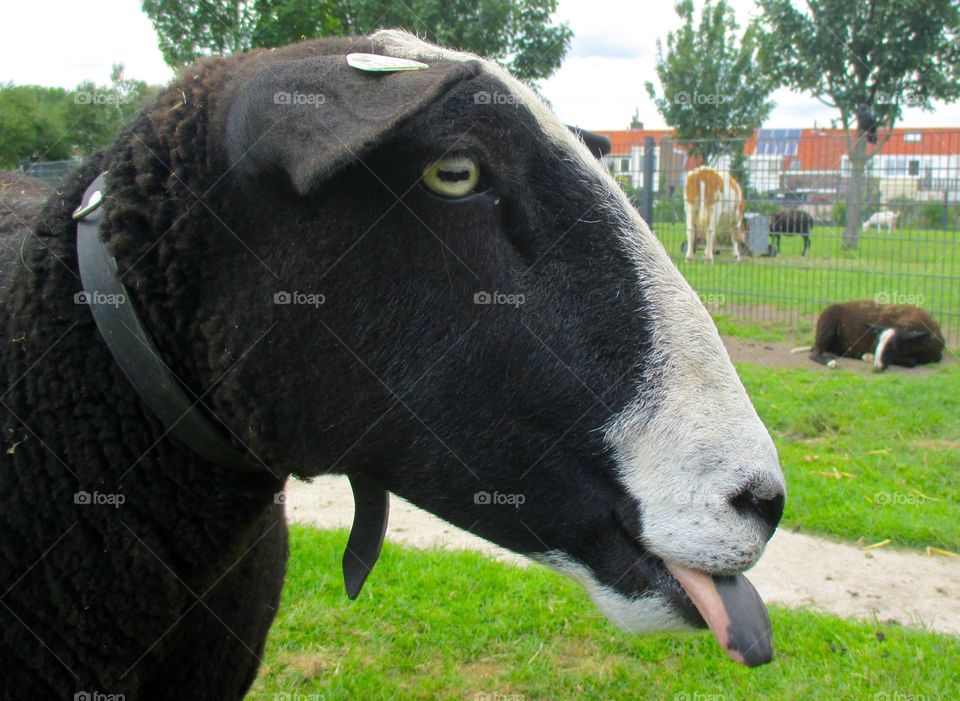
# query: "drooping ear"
909, 333
598, 144
311, 117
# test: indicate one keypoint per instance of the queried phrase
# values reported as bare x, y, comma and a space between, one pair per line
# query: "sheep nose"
764, 504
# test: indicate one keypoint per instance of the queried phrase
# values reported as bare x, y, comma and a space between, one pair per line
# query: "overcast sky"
599, 86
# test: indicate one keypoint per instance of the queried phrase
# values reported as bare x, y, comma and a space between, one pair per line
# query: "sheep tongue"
734, 611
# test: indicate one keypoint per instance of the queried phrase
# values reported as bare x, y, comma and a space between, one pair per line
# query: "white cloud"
601, 83
46, 42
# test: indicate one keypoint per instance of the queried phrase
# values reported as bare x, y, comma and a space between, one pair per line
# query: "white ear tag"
383, 64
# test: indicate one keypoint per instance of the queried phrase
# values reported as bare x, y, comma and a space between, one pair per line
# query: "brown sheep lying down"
893, 334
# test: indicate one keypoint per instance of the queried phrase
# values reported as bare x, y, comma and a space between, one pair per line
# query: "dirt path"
797, 570
778, 355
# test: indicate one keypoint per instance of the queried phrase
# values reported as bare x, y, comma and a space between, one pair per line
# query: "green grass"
894, 439
764, 330
444, 625
909, 266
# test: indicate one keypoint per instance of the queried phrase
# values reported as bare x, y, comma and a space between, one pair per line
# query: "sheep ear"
910, 333
598, 144
310, 118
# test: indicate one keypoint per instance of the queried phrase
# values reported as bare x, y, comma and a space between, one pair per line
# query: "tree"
98, 112
32, 124
715, 93
52, 124
873, 56
516, 32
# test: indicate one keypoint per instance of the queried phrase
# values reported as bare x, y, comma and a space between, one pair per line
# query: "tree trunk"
856, 193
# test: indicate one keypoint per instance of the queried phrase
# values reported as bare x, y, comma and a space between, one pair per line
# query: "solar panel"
778, 142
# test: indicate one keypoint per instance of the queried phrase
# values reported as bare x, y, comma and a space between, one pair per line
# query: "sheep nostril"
767, 509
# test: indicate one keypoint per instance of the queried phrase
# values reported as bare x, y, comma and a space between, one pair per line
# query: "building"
808, 165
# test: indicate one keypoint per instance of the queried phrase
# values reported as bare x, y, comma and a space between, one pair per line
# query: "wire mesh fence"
804, 246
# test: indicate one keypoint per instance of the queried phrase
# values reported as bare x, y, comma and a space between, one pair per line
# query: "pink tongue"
733, 610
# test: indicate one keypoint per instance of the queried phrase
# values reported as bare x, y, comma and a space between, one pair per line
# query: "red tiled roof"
933, 141
623, 141
820, 149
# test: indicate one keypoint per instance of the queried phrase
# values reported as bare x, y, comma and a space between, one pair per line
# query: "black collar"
134, 351
133, 348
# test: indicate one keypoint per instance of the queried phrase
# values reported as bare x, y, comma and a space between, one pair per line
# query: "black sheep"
333, 270
791, 222
890, 334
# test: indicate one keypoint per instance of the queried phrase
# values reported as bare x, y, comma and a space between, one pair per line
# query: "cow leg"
691, 234
708, 251
713, 219
806, 245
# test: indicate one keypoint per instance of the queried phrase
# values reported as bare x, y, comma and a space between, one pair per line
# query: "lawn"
909, 266
866, 456
454, 625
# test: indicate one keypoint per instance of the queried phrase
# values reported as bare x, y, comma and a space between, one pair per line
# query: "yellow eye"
456, 176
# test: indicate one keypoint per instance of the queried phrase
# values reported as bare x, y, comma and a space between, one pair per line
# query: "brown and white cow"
713, 202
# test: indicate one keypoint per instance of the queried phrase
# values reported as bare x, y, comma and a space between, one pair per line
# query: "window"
913, 137
913, 168
624, 165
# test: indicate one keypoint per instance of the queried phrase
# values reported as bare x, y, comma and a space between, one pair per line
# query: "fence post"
946, 209
646, 210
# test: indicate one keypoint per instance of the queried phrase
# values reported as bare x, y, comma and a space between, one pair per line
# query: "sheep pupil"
452, 176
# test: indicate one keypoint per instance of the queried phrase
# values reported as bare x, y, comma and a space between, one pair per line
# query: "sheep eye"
455, 177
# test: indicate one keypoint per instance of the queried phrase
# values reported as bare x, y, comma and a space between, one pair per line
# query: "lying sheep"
887, 334
289, 264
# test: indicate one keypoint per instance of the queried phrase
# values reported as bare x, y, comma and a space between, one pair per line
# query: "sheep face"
432, 283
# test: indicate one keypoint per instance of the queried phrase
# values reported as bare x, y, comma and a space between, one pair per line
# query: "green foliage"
516, 32
668, 210
887, 54
32, 124
762, 207
839, 213
454, 625
713, 86
52, 124
98, 112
